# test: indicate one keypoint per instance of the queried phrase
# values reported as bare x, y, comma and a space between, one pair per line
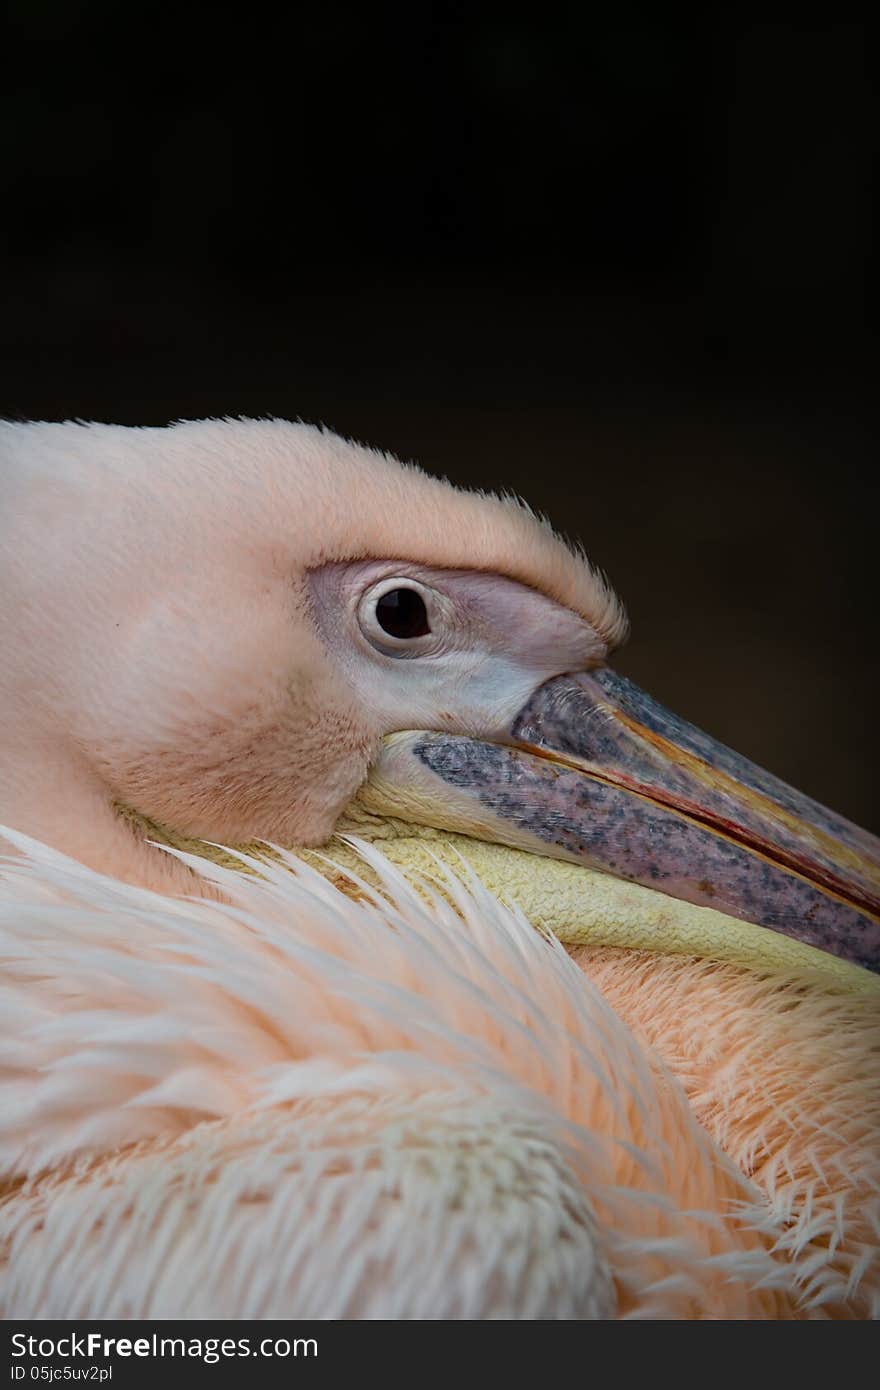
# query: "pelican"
368, 946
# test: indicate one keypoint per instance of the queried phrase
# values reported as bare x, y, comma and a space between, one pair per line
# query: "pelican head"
229, 627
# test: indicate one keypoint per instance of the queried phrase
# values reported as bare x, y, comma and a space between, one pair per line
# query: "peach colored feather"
181, 1073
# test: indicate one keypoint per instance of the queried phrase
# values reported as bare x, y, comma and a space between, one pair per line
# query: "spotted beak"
593, 771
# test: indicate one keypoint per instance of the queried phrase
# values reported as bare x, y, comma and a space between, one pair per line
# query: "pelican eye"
402, 614
402, 618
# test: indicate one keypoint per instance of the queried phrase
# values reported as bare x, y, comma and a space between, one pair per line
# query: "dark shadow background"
618, 265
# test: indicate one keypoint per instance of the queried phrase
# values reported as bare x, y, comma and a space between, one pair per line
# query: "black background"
617, 264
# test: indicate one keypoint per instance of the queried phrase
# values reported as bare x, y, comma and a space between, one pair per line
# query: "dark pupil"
402, 613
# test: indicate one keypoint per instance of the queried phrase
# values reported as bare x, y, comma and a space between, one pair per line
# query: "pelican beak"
593, 771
